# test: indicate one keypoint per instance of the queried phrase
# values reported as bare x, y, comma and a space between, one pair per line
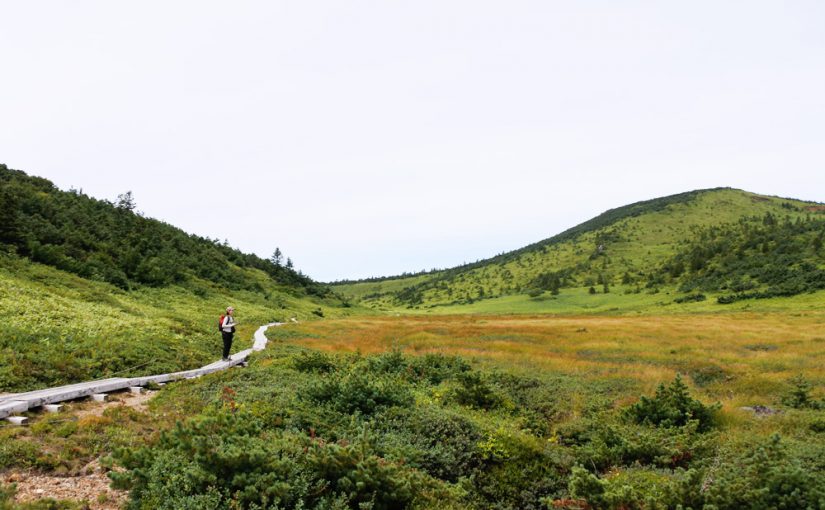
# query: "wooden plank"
13, 407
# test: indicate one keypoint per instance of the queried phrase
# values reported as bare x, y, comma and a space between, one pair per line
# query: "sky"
368, 138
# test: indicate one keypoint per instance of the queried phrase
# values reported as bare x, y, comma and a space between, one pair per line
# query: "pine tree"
277, 257
126, 201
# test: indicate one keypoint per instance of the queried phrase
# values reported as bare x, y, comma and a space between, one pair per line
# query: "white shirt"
228, 323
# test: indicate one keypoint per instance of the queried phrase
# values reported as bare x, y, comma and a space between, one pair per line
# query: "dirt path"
92, 485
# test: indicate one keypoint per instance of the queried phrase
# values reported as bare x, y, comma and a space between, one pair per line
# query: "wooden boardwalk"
21, 402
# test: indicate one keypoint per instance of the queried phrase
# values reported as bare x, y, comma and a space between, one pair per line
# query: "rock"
760, 410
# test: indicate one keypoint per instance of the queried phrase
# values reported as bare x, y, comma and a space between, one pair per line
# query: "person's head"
229, 310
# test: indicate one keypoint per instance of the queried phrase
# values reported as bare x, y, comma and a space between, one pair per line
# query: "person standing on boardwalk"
227, 331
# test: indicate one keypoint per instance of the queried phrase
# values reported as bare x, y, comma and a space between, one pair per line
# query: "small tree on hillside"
277, 257
288, 263
9, 203
126, 201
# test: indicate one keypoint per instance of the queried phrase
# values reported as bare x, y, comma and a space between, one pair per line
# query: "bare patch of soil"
137, 401
91, 487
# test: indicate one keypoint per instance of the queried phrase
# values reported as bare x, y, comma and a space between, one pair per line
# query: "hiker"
227, 331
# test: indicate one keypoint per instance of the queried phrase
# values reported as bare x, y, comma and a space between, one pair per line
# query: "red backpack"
220, 323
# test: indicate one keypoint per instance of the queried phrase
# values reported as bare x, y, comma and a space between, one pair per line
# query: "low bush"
691, 298
799, 395
767, 476
313, 361
474, 391
601, 444
360, 392
672, 406
441, 442
229, 461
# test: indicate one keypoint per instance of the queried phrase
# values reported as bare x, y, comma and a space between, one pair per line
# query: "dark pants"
227, 343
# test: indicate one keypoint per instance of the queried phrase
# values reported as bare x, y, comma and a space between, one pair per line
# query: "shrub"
228, 461
817, 426
691, 298
390, 362
360, 392
364, 479
766, 477
635, 489
602, 445
799, 396
313, 361
672, 406
437, 440
473, 391
520, 471
436, 368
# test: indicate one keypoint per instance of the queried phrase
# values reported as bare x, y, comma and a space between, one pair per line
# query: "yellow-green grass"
740, 359
62, 328
620, 300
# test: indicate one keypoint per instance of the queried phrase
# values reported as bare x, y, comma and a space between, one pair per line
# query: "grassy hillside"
632, 250
90, 289
60, 328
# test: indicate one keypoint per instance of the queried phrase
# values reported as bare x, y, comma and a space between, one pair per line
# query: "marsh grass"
714, 352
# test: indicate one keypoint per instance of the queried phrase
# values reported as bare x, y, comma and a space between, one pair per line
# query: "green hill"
89, 288
715, 242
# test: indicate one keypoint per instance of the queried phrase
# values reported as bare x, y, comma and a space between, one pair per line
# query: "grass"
530, 398
739, 359
60, 328
621, 300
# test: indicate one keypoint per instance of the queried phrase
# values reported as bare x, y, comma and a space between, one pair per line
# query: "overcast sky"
372, 138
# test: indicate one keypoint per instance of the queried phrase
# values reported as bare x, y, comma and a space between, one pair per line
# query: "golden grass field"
739, 359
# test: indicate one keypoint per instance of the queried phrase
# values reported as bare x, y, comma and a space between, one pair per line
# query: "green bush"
672, 406
474, 391
313, 361
360, 392
768, 476
691, 298
229, 461
435, 368
601, 444
441, 442
799, 396
636, 489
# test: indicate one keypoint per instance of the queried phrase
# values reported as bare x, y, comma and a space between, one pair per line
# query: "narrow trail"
14, 404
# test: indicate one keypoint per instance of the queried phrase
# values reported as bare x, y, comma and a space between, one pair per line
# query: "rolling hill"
722, 243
